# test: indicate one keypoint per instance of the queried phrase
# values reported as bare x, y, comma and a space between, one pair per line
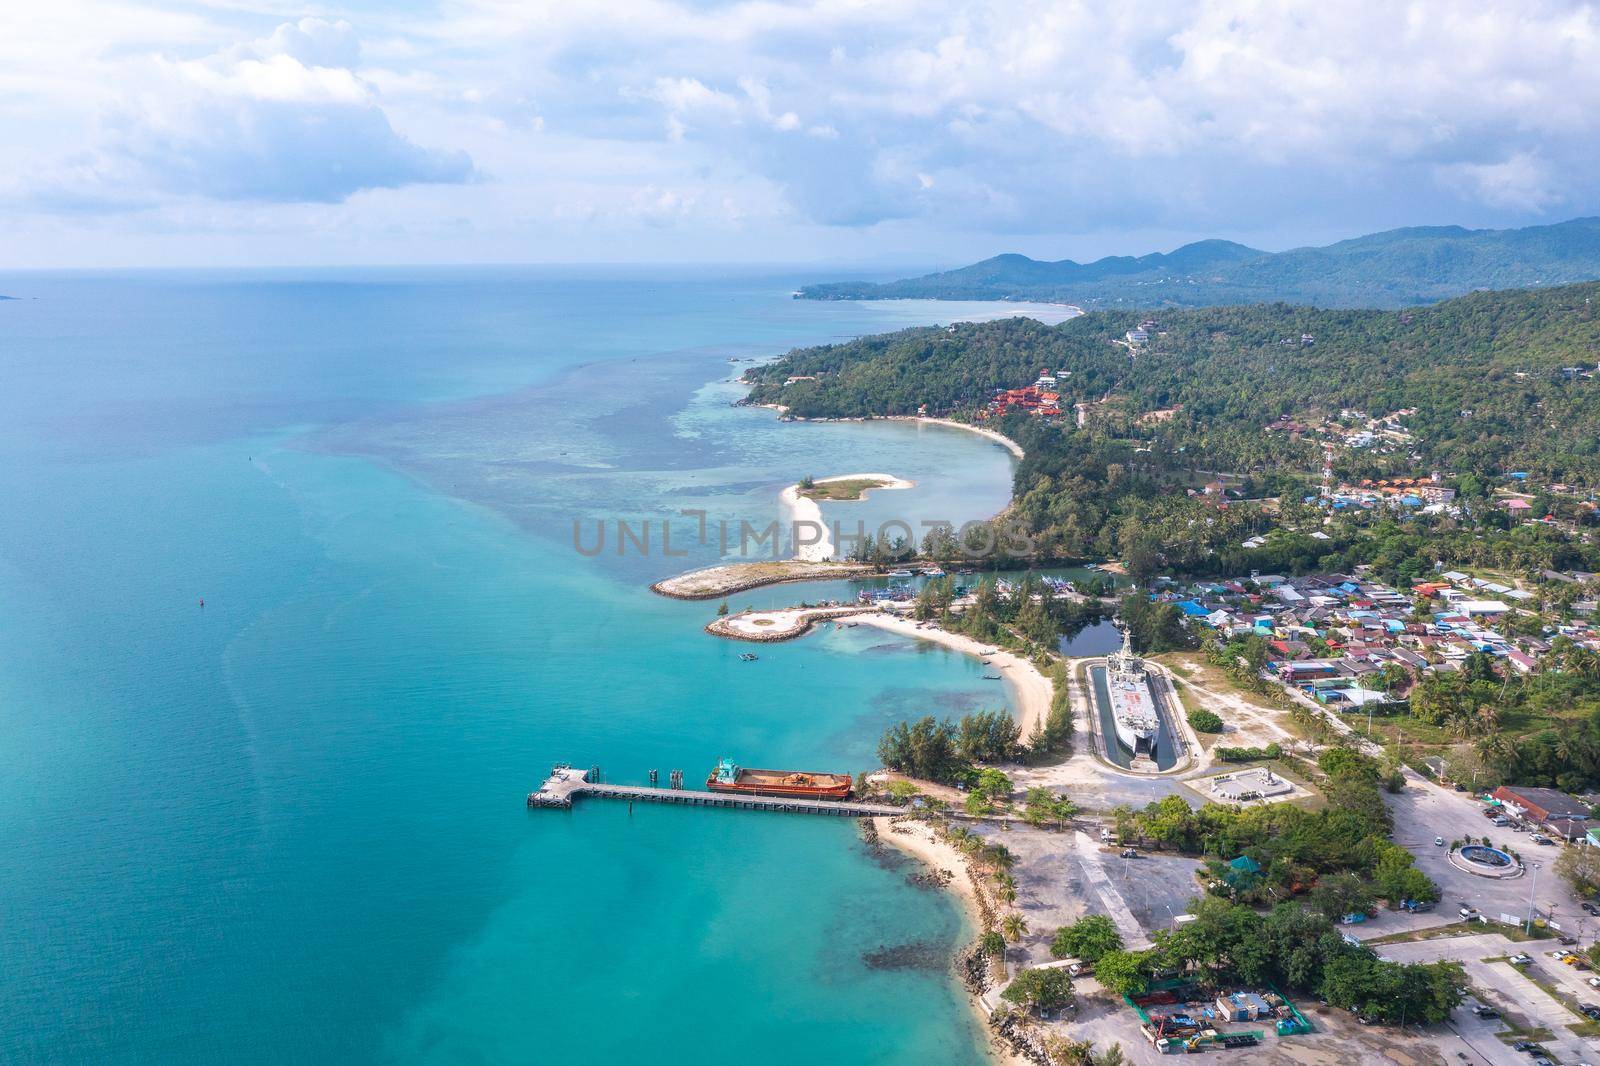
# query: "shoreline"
728, 579
921, 841
994, 435
805, 509
1031, 690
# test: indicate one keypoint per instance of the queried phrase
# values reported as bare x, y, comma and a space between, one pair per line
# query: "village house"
1557, 812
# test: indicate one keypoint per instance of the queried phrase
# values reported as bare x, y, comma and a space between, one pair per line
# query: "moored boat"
728, 776
1133, 710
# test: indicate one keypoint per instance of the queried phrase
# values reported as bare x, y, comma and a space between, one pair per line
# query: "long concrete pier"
566, 784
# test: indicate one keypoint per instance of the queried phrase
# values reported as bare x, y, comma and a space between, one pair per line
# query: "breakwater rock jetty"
714, 582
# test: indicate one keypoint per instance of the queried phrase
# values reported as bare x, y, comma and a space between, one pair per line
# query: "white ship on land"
1133, 709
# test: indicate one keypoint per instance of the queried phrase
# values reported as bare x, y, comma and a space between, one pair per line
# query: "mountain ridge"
1408, 266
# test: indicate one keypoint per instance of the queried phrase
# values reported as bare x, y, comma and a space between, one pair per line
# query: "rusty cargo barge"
728, 777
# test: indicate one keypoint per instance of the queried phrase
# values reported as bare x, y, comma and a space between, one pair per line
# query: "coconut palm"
1497, 749
1014, 926
999, 856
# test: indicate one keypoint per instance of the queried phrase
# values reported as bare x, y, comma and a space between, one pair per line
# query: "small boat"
933, 572
992, 677
901, 573
748, 656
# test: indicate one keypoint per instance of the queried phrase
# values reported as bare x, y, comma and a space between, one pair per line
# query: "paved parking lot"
1424, 811
1508, 989
1063, 876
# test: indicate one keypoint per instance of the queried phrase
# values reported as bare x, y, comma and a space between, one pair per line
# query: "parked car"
1485, 1011
1129, 853
1521, 959
1469, 914
1566, 941
1416, 906
1590, 908
1438, 842
1590, 1011
1540, 838
1594, 982
1499, 820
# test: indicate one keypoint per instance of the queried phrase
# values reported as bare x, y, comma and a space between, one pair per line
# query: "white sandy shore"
918, 840
804, 509
999, 438
1030, 689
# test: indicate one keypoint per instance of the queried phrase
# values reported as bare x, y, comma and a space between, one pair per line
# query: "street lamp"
1531, 889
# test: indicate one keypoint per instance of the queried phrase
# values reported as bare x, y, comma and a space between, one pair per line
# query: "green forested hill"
1484, 373
1395, 268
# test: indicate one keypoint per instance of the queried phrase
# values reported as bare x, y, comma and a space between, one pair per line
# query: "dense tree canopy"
1483, 377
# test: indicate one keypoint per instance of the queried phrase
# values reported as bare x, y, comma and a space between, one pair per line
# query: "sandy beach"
804, 509
1031, 690
919, 840
999, 438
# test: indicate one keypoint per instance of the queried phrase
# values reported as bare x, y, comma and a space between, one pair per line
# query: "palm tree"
1497, 749
1014, 926
1566, 744
1488, 718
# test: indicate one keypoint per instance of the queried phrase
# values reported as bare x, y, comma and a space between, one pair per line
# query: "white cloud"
1022, 117
282, 119
1062, 115
1521, 182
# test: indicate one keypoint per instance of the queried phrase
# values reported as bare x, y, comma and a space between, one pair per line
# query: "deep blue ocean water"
288, 826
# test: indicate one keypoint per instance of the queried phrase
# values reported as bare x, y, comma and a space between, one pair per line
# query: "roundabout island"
1482, 860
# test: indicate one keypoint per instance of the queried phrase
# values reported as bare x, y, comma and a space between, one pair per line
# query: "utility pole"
1531, 889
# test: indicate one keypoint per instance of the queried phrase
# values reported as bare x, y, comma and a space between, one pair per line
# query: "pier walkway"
566, 784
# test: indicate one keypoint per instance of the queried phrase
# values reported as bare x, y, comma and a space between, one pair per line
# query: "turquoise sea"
289, 825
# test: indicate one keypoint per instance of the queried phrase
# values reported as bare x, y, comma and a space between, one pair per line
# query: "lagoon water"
288, 826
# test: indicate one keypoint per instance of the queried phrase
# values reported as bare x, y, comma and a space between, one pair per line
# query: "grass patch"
842, 491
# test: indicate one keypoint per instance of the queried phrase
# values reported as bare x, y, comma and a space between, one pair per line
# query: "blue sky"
881, 132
